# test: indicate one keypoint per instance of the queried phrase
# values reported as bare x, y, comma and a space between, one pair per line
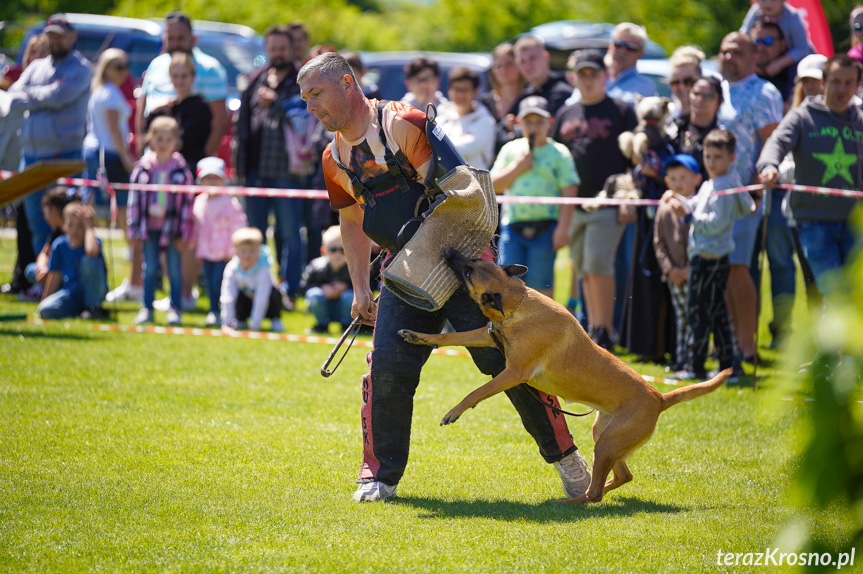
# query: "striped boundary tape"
157, 330
322, 194
331, 341
247, 335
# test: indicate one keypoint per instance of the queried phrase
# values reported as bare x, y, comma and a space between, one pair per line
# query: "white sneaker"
374, 492
276, 326
173, 317
189, 303
125, 292
574, 473
212, 320
143, 316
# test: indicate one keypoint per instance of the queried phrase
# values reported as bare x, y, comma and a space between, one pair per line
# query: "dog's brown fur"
547, 348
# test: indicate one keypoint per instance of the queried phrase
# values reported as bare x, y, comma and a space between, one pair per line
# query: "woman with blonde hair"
685, 65
108, 115
37, 47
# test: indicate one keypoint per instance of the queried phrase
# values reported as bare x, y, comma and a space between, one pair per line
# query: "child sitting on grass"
248, 294
711, 240
217, 218
76, 282
53, 203
327, 284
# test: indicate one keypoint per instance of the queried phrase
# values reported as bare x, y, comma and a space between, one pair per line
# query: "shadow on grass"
548, 511
43, 335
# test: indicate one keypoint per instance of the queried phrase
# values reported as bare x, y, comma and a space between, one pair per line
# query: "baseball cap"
811, 67
683, 160
58, 24
211, 166
589, 59
533, 105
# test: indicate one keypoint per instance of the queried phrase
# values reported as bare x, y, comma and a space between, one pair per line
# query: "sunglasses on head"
858, 26
631, 46
173, 17
336, 249
765, 41
688, 82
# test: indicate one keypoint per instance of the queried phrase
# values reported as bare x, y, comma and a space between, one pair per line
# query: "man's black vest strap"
392, 164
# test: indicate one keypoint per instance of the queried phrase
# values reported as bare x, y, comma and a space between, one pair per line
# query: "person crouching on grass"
248, 294
76, 282
327, 285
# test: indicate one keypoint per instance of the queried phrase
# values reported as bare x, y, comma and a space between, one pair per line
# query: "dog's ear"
493, 301
514, 270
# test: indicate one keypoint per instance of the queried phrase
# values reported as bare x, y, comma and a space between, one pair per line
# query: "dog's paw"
450, 418
415, 338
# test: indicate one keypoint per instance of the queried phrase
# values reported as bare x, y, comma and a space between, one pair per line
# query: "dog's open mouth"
457, 262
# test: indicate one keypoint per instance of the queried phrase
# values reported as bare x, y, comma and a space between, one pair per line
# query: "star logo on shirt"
837, 163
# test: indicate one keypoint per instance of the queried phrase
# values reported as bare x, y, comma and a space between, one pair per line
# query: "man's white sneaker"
374, 491
574, 473
173, 317
125, 292
143, 316
212, 320
276, 326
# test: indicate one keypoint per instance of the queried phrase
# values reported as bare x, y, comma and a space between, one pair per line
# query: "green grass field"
127, 452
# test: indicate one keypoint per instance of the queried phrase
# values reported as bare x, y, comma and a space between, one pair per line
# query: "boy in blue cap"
670, 242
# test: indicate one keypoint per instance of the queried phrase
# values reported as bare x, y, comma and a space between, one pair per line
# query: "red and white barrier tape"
322, 194
248, 335
323, 340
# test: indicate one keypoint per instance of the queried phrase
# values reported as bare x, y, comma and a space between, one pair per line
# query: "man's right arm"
783, 140
358, 250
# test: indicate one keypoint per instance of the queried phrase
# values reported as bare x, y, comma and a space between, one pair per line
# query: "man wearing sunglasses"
625, 48
773, 60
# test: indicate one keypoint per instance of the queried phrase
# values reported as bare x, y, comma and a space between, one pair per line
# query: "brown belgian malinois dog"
548, 349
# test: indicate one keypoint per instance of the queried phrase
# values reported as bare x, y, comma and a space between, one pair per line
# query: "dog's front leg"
476, 338
506, 380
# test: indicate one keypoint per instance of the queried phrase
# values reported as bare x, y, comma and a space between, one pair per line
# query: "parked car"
564, 36
239, 49
386, 69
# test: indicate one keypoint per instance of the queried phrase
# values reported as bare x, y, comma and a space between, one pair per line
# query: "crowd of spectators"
540, 132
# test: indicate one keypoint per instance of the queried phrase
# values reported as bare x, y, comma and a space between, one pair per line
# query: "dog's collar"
514, 309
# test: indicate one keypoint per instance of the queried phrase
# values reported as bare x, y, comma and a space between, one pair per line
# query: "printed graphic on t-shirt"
404, 127
837, 164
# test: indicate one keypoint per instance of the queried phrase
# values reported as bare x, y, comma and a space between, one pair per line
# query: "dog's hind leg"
622, 475
623, 432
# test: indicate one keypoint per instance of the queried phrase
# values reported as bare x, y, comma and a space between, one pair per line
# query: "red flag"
816, 23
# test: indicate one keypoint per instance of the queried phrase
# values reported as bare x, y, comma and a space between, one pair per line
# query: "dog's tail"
694, 391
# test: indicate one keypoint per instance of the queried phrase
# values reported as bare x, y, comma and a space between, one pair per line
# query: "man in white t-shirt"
211, 81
